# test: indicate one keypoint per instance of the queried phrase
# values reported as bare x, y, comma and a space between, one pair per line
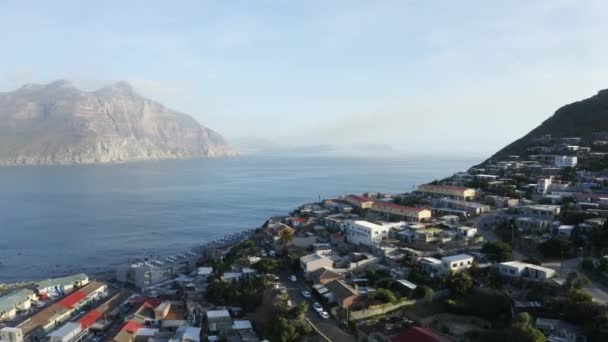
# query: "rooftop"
457, 257
9, 301
218, 314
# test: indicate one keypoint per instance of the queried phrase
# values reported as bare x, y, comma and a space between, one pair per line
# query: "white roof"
192, 334
458, 257
66, 330
146, 331
242, 325
407, 284
218, 313
431, 260
521, 265
311, 257
205, 270
367, 224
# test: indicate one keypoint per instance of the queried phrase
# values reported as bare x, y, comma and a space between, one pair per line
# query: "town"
515, 249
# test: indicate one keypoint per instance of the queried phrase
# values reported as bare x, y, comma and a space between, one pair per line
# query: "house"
219, 321
525, 270
456, 263
232, 277
565, 230
342, 293
558, 330
16, 301
439, 191
61, 286
429, 264
324, 275
566, 161
400, 212
460, 207
541, 211
312, 262
467, 232
427, 235
365, 232
360, 202
531, 224
187, 334
9, 334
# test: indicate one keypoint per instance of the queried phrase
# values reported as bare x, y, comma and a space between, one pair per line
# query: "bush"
460, 283
497, 251
423, 292
385, 295
556, 247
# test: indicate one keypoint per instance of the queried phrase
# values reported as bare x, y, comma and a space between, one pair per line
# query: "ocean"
57, 220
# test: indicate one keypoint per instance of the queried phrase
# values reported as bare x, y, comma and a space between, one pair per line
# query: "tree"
285, 235
460, 283
423, 292
497, 251
266, 265
523, 329
299, 311
385, 295
575, 280
556, 247
285, 331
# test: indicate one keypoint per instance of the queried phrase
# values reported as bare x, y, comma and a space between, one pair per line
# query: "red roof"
418, 334
397, 206
69, 301
89, 319
131, 327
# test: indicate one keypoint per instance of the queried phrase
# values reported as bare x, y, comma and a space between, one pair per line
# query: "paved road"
328, 327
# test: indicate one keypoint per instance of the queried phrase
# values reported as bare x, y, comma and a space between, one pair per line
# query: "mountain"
584, 119
57, 123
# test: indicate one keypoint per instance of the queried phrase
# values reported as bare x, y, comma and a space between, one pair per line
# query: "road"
328, 327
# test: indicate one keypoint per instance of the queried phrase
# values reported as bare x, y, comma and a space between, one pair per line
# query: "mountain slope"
60, 124
578, 119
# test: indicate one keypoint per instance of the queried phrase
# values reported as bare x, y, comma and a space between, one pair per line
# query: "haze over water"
56, 220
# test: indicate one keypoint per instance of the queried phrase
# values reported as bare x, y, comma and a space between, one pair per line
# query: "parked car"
317, 307
324, 314
293, 278
289, 303
305, 294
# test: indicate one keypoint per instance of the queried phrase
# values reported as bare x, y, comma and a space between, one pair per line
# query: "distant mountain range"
57, 123
583, 119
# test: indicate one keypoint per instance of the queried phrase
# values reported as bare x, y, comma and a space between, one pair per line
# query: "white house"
312, 262
566, 161
456, 263
467, 232
365, 232
524, 270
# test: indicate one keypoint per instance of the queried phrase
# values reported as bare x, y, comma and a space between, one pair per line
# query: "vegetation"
385, 295
497, 251
488, 304
459, 284
423, 292
556, 247
246, 294
285, 237
266, 265
521, 330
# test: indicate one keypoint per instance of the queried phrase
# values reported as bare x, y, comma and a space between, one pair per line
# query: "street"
328, 327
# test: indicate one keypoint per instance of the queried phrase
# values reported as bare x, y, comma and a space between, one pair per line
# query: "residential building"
531, 224
360, 202
525, 270
14, 302
144, 274
456, 263
566, 161
312, 262
324, 275
61, 286
219, 321
9, 334
541, 211
342, 293
438, 191
460, 207
429, 264
365, 232
400, 212
427, 235
467, 232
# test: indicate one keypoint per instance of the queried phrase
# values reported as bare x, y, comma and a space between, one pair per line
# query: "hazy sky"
418, 75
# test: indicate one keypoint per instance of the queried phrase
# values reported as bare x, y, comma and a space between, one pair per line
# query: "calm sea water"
56, 220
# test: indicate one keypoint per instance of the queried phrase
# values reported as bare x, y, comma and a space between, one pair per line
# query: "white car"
289, 303
318, 308
305, 294
324, 314
293, 278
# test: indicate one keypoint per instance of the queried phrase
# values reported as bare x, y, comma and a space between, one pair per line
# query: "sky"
380, 76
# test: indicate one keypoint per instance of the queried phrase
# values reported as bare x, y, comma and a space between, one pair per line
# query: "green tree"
575, 280
285, 237
285, 331
497, 251
556, 247
266, 265
459, 284
385, 295
423, 292
523, 330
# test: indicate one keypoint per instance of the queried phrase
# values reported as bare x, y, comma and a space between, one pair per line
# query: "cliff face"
60, 124
579, 119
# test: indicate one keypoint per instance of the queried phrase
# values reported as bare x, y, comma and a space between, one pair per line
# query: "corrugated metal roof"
69, 280
69, 301
89, 318
8, 302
